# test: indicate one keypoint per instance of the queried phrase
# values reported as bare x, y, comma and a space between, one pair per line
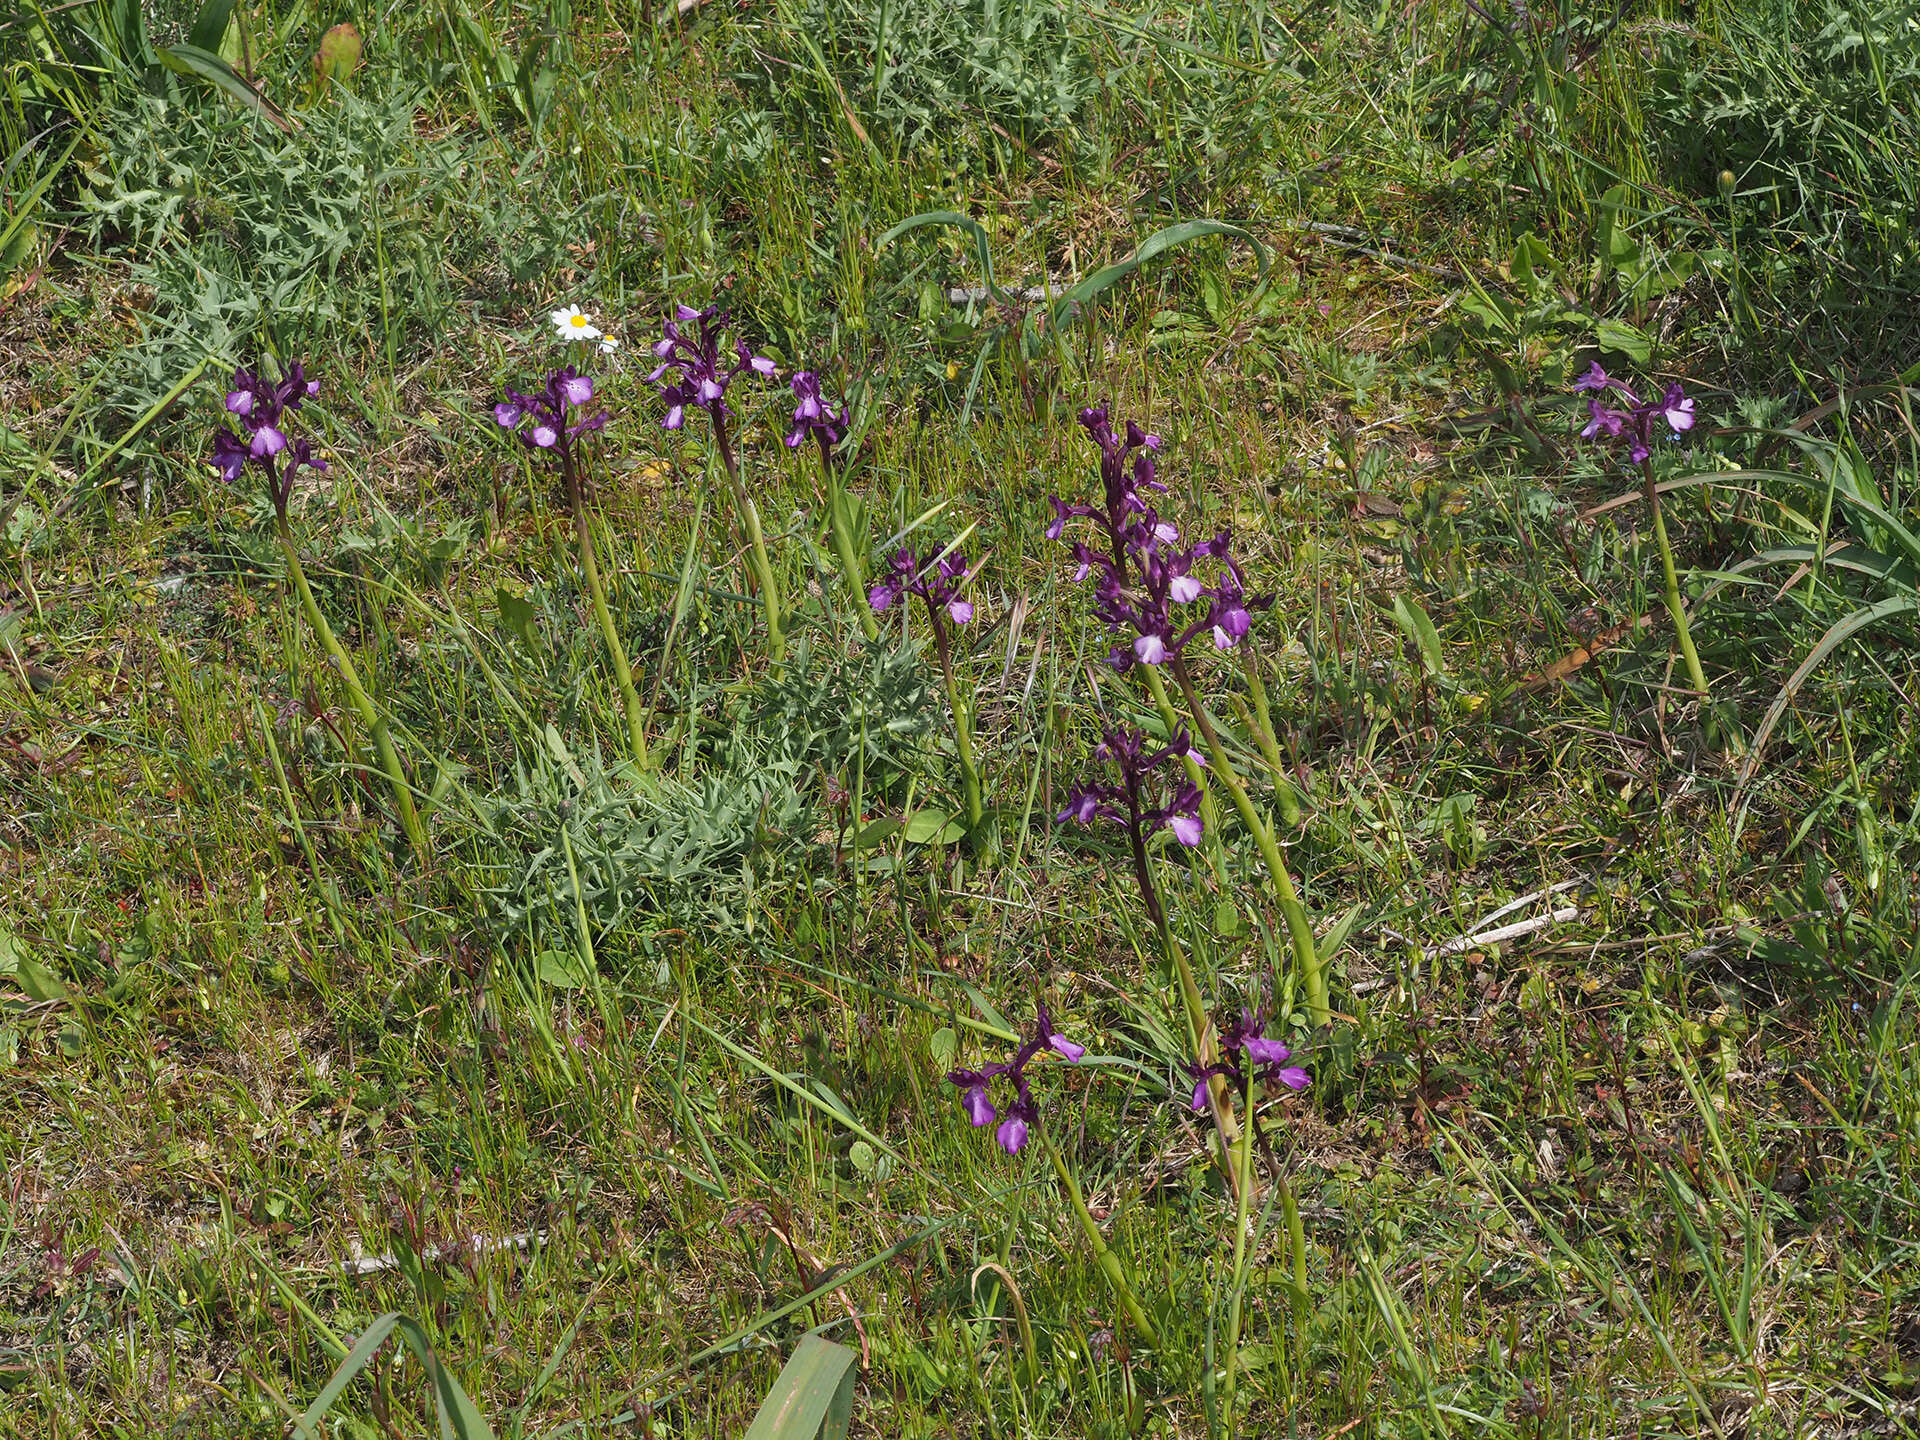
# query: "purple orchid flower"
261, 410
813, 416
936, 580
1126, 468
1127, 803
1156, 608
690, 345
1022, 1113
540, 421
1265, 1060
1633, 422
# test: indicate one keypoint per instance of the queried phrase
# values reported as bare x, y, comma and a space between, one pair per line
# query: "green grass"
1648, 1171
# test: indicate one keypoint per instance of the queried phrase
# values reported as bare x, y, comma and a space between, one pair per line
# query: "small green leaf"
39, 982
189, 60
1624, 339
943, 1045
1226, 920
73, 1040
518, 618
1413, 620
860, 1155
338, 56
564, 970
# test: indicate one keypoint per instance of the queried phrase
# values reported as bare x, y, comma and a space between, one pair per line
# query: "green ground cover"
622, 1067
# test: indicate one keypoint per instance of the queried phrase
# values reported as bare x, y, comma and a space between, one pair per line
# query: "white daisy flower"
573, 323
608, 344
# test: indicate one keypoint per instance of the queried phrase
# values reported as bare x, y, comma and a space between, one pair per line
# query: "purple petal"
1200, 1095
506, 414
1066, 1047
961, 611
267, 441
1263, 1051
676, 417
240, 402
545, 436
1594, 379
979, 1109
1186, 829
685, 312
1012, 1134
710, 390
1678, 408
576, 389
1294, 1078
1150, 649
1184, 589
880, 596
762, 365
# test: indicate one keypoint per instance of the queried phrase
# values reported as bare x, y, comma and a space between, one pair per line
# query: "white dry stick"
476, 1244
1504, 932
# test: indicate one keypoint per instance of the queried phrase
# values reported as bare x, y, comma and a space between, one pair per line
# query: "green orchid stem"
1299, 927
757, 559
844, 548
962, 723
1209, 807
1263, 734
1199, 1025
363, 705
616, 652
1108, 1262
1297, 1239
1695, 675
1243, 1175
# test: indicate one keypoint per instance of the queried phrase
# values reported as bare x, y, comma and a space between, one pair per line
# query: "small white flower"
573, 323
608, 344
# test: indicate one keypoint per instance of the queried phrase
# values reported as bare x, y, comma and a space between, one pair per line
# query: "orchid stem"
1104, 1257
1264, 736
1675, 607
845, 551
1243, 1175
962, 725
1299, 927
616, 652
757, 561
363, 705
1209, 807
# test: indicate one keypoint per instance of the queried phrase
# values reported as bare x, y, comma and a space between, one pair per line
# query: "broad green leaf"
364, 1349
1329, 944
189, 60
1825, 646
1108, 276
210, 26
1531, 265
1624, 339
933, 827
813, 1397
459, 1418
964, 222
1412, 619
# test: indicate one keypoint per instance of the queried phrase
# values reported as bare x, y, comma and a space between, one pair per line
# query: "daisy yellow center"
579, 322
